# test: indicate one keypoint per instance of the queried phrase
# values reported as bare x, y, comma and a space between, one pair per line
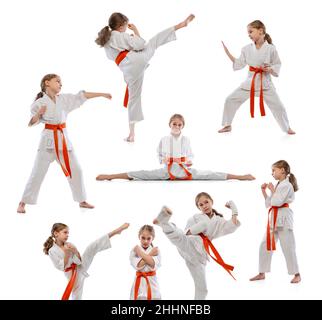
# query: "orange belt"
180, 161
270, 244
208, 245
252, 92
144, 275
71, 282
56, 128
118, 60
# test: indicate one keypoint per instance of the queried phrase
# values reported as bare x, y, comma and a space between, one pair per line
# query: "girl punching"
51, 109
262, 58
132, 54
175, 155
194, 244
145, 259
280, 221
66, 257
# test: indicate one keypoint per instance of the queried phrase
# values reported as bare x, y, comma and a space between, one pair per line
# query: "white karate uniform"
57, 257
143, 290
254, 57
191, 247
175, 147
56, 113
134, 64
284, 193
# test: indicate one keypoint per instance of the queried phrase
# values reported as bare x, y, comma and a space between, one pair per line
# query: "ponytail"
268, 38
39, 95
217, 213
293, 182
48, 244
115, 21
282, 164
103, 36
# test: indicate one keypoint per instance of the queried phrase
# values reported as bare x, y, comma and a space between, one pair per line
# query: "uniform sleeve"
157, 260
188, 150
135, 42
240, 63
220, 227
197, 224
279, 197
275, 63
34, 109
161, 151
57, 259
73, 101
134, 260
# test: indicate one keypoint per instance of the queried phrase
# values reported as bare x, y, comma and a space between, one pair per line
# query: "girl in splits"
66, 257
132, 54
51, 109
194, 244
175, 154
262, 58
145, 259
280, 222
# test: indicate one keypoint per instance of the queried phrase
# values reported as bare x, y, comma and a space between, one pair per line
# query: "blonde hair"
177, 116
257, 24
207, 195
45, 78
282, 164
149, 229
115, 21
51, 240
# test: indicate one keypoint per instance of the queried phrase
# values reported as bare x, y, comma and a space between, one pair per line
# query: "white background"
191, 76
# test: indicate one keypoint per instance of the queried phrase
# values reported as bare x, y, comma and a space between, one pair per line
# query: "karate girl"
175, 154
66, 257
280, 222
194, 244
52, 108
145, 259
132, 54
262, 58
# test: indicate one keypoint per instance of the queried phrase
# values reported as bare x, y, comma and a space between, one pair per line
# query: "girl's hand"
42, 110
107, 96
132, 26
271, 187
71, 247
154, 251
264, 186
267, 68
225, 48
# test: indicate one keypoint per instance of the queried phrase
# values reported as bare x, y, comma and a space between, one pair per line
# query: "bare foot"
296, 279
185, 22
225, 129
129, 139
163, 216
290, 131
21, 207
247, 177
86, 205
102, 177
119, 230
260, 276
